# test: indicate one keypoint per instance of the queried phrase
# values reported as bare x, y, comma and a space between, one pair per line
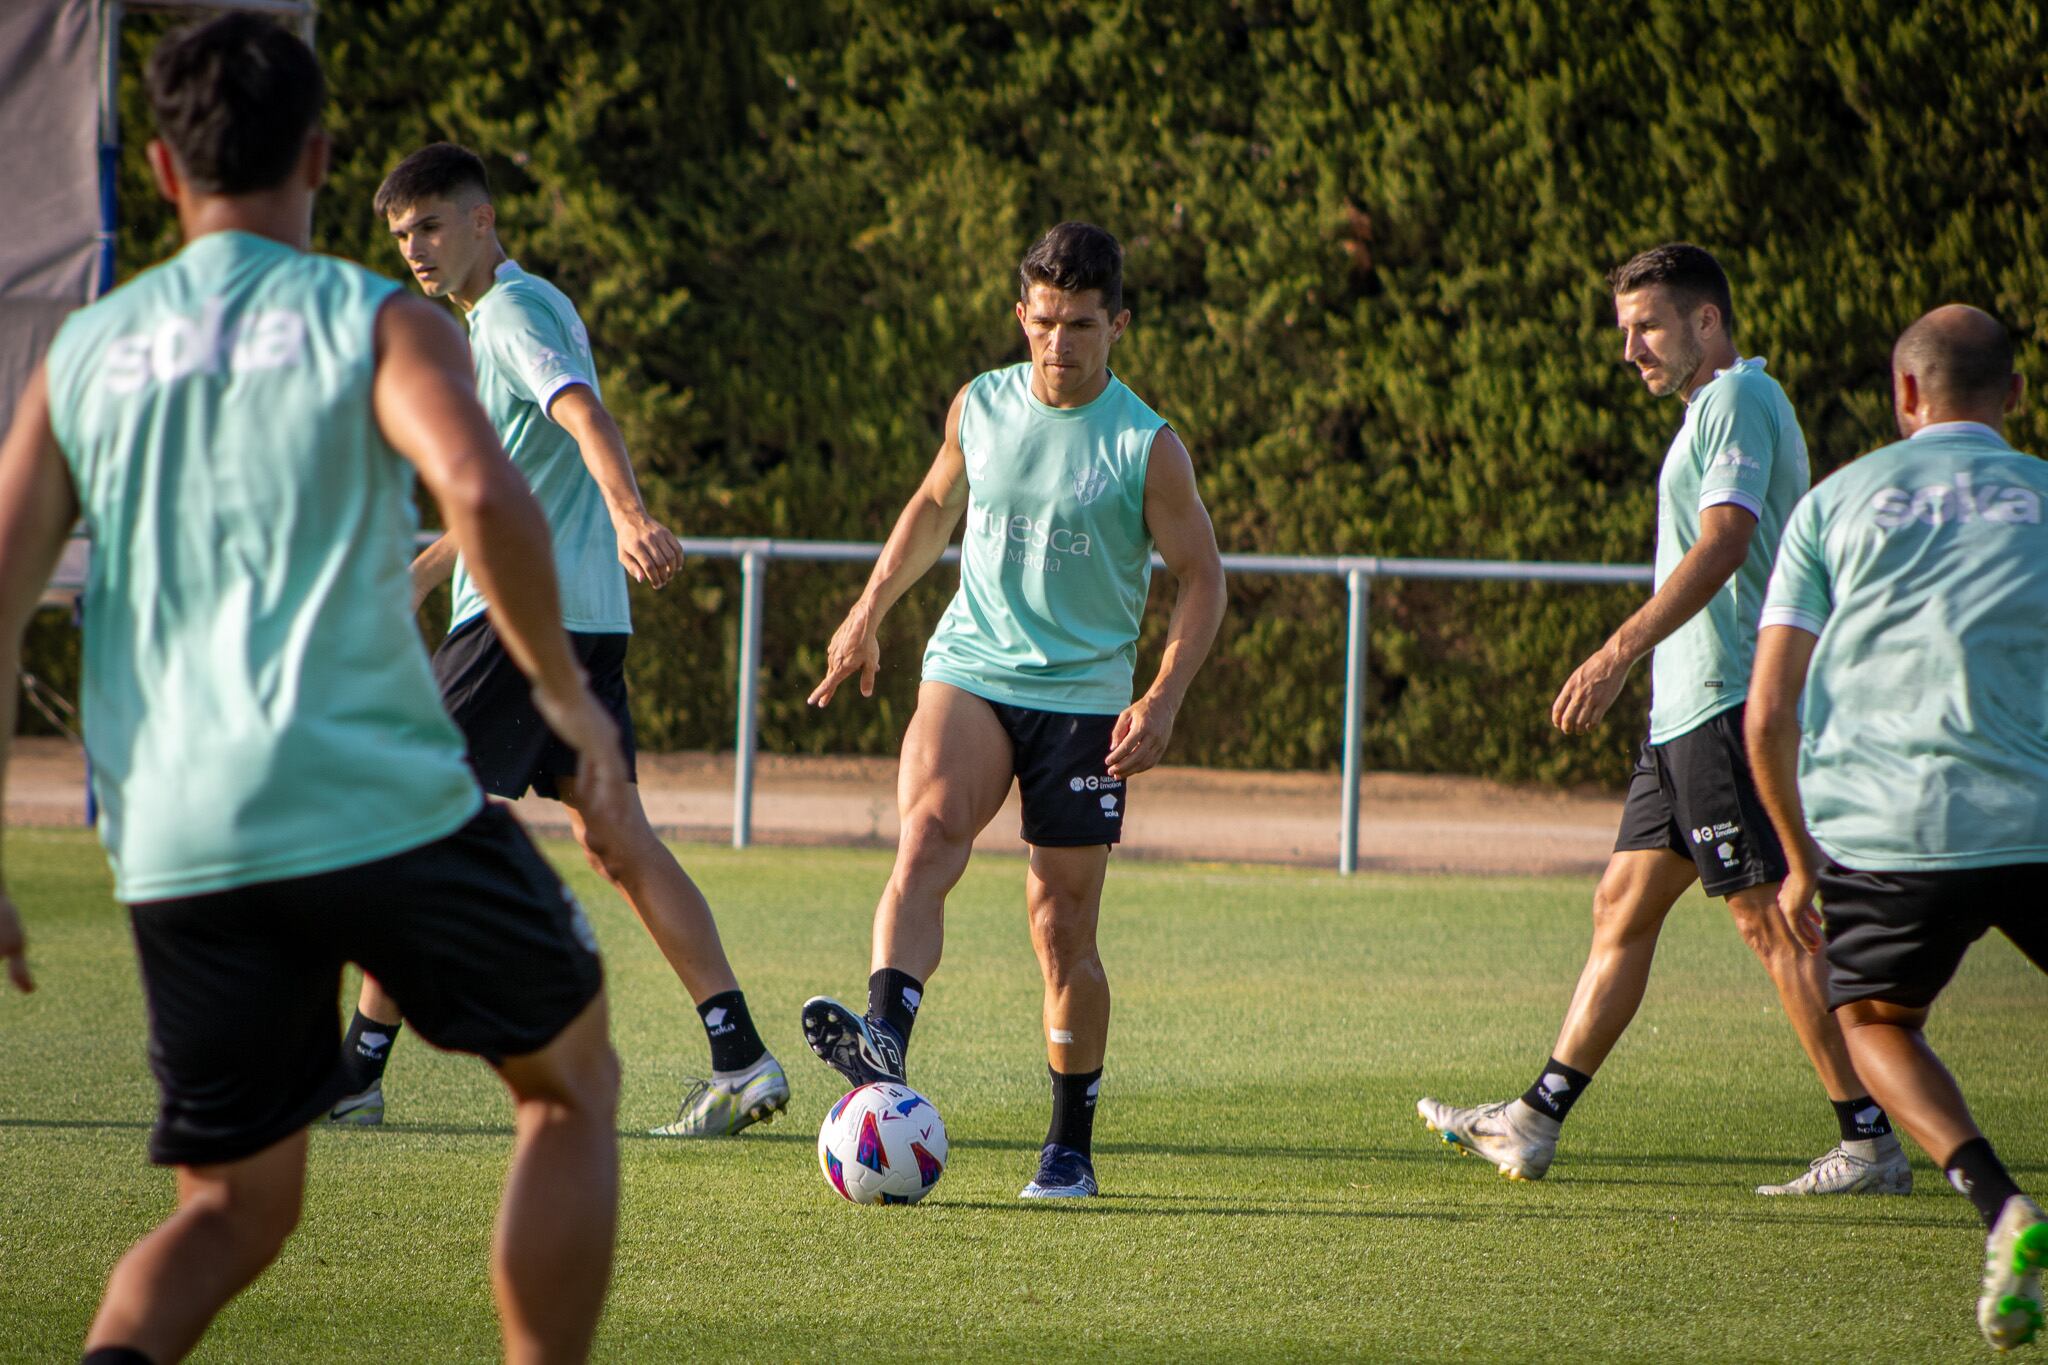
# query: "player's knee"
255, 1219
1619, 917
935, 832
1756, 922
1065, 937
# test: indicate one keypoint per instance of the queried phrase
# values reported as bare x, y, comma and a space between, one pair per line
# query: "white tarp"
49, 177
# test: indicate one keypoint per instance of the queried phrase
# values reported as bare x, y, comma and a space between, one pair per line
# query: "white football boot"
730, 1101
1517, 1139
2009, 1310
1871, 1166
364, 1109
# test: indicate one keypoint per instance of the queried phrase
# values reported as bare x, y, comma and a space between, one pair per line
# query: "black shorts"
491, 702
1062, 767
1899, 936
1694, 796
474, 935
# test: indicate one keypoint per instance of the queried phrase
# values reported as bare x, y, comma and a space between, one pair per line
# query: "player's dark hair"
1691, 274
439, 170
1957, 355
234, 99
1073, 257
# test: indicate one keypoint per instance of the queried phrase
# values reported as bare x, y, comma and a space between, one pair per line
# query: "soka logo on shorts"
179, 347
1943, 504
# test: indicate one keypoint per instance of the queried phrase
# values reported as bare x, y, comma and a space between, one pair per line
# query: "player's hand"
579, 722
854, 649
1587, 693
14, 946
1802, 916
1138, 739
649, 550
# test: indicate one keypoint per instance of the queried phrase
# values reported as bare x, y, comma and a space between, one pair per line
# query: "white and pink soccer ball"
882, 1144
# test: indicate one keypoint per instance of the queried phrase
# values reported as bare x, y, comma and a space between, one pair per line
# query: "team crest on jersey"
1089, 485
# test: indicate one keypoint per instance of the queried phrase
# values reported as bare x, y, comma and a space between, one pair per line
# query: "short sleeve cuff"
550, 389
1718, 497
1796, 617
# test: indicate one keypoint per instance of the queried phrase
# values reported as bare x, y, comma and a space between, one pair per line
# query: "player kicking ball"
280, 791
1731, 477
1066, 481
538, 382
1910, 607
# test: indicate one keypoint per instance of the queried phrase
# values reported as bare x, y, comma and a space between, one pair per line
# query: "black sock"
735, 1045
1975, 1170
1073, 1109
1556, 1090
893, 998
366, 1049
116, 1355
1861, 1119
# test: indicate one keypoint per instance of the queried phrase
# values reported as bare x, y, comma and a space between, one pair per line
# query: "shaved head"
1960, 357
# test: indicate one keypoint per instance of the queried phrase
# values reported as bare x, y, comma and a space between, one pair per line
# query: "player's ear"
484, 218
163, 168
2017, 392
1708, 320
1020, 312
1118, 323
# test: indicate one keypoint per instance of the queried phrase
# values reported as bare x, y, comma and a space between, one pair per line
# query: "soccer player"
280, 791
1910, 605
1067, 481
1730, 478
538, 382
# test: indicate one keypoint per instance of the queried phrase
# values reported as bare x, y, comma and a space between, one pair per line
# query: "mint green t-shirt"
1740, 444
257, 702
1055, 561
1923, 570
529, 346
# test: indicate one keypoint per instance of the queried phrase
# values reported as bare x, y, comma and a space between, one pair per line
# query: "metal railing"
1357, 571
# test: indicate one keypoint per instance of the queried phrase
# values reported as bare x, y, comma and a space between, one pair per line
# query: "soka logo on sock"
373, 1044
912, 997
1553, 1085
715, 1021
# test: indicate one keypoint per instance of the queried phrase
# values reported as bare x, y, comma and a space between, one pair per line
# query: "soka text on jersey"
178, 347
1941, 504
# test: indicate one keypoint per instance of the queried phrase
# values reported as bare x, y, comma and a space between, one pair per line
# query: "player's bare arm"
919, 538
425, 402
432, 567
1725, 533
1186, 540
649, 550
37, 507
1770, 731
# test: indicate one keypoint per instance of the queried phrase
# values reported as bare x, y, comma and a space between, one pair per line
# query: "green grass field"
1269, 1192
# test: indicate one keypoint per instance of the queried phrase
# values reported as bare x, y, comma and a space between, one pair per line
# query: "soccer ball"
882, 1144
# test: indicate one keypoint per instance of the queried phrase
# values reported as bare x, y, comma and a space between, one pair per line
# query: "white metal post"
753, 590
1360, 585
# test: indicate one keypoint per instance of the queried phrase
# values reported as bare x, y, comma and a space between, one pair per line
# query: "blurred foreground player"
1910, 606
280, 792
1733, 474
1067, 480
538, 383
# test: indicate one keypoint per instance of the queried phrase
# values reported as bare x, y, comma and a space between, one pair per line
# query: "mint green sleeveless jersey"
1055, 562
1739, 443
529, 346
257, 701
1923, 568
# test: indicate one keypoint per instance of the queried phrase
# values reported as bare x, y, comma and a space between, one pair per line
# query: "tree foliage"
1366, 247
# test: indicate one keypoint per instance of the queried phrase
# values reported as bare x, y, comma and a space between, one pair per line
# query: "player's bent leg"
955, 772
232, 1220
552, 1254
1063, 893
1635, 893
1867, 1165
634, 859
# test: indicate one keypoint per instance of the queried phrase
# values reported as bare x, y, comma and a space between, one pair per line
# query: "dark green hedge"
1366, 245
